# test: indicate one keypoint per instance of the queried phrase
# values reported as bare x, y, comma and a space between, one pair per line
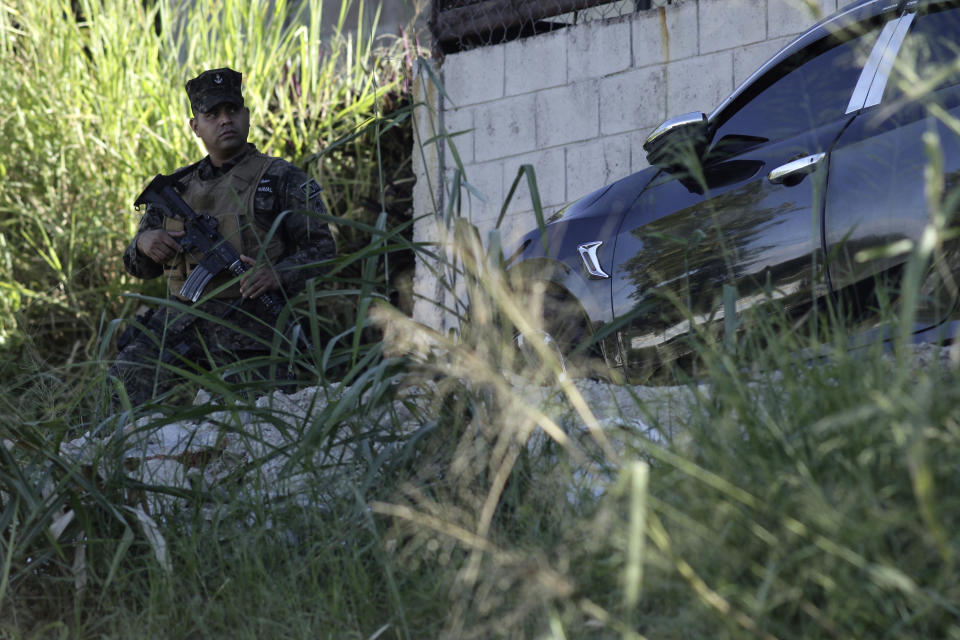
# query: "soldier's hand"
258, 280
159, 245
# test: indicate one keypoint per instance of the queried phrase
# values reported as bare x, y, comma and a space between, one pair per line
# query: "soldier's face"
223, 129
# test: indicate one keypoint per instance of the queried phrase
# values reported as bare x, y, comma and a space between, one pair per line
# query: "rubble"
249, 450
258, 450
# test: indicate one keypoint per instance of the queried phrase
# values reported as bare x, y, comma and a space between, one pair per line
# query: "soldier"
248, 193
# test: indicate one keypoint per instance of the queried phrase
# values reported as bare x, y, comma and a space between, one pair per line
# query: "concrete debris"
258, 451
313, 445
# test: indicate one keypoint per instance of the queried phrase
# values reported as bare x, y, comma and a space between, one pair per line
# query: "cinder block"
632, 100
484, 197
638, 157
668, 33
725, 24
596, 163
474, 76
460, 129
549, 170
748, 59
430, 298
515, 225
567, 114
505, 127
790, 17
426, 157
598, 49
699, 84
518, 223
536, 63
483, 229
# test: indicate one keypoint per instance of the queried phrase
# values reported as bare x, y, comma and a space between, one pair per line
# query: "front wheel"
530, 356
564, 331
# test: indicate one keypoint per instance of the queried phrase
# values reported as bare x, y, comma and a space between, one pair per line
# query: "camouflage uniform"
306, 240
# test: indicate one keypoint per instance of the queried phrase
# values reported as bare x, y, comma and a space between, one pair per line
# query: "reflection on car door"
751, 219
877, 205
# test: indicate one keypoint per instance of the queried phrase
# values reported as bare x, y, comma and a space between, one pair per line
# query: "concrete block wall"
577, 103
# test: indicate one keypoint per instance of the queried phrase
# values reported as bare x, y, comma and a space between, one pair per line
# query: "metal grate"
457, 25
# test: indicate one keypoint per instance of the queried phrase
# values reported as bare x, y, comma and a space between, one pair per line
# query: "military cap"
213, 87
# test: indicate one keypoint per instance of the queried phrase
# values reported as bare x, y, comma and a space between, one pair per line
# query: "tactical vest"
229, 199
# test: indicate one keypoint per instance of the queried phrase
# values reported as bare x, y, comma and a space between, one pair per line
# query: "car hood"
601, 209
613, 199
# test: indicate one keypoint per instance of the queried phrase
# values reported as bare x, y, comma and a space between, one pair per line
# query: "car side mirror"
679, 141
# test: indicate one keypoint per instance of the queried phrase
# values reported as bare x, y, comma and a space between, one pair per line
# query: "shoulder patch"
311, 190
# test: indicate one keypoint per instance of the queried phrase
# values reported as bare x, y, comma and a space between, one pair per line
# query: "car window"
929, 58
804, 92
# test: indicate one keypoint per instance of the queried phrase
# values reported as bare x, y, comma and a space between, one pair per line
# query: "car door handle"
796, 168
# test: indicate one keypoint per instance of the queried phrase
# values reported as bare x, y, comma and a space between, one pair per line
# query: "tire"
565, 329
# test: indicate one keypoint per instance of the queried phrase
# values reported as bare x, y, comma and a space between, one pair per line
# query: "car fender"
554, 257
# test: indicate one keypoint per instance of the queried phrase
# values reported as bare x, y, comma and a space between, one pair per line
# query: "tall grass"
445, 485
807, 493
93, 104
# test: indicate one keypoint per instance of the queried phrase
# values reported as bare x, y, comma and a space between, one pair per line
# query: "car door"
903, 143
751, 218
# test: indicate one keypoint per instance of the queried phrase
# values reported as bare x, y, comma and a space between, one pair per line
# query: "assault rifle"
201, 236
